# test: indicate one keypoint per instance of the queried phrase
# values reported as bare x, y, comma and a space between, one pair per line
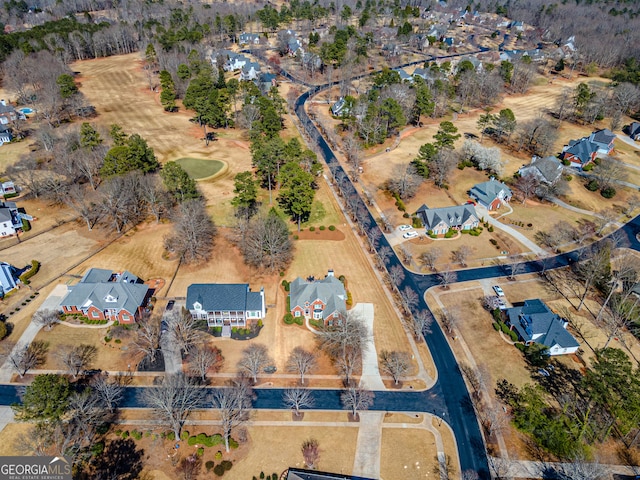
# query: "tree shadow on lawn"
149, 365
121, 459
561, 379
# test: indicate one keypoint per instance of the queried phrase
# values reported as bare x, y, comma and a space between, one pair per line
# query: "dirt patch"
335, 235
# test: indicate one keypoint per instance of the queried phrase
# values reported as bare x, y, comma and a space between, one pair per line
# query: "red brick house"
106, 295
318, 299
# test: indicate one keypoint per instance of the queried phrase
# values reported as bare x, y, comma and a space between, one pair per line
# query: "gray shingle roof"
548, 168
223, 296
452, 216
634, 128
487, 192
535, 318
104, 294
300, 474
604, 136
582, 149
330, 290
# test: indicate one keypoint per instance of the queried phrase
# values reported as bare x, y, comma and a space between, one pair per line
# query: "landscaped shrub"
125, 434
226, 464
286, 285
592, 185
513, 335
450, 233
3, 330
200, 452
587, 168
35, 266
218, 470
416, 222
349, 301
332, 227
233, 443
496, 326
295, 237
97, 449
608, 192
218, 454
490, 228
312, 229
136, 434
171, 436
497, 315
298, 320
288, 318
209, 465
117, 340
191, 441
493, 241
322, 227
521, 347
26, 225
260, 324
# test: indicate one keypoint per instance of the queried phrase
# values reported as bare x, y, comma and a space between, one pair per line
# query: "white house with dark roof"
318, 299
250, 71
107, 295
491, 194
9, 278
226, 305
534, 322
249, 39
441, 220
547, 170
235, 62
10, 221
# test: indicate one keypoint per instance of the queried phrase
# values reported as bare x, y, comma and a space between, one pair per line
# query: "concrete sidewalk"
368, 446
482, 212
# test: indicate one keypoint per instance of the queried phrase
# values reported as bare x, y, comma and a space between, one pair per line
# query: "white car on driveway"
410, 235
498, 290
404, 228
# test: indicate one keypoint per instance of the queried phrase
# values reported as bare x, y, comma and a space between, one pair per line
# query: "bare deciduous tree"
297, 398
460, 255
111, 389
396, 364
254, 358
301, 361
357, 399
527, 184
174, 400
77, 358
46, 318
447, 276
147, 338
234, 403
409, 298
310, 452
430, 257
25, 357
182, 329
194, 232
396, 274
266, 244
204, 358
404, 181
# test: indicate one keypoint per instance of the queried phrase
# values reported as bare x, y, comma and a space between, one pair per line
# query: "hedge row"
35, 267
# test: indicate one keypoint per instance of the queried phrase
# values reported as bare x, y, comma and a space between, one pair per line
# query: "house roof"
487, 192
8, 276
535, 318
604, 136
582, 149
452, 216
329, 290
634, 128
118, 293
403, 74
248, 66
301, 474
548, 168
224, 296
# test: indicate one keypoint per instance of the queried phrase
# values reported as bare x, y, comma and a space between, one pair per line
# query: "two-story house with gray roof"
634, 130
249, 39
226, 305
106, 295
441, 220
583, 151
491, 194
10, 220
534, 322
318, 299
9, 278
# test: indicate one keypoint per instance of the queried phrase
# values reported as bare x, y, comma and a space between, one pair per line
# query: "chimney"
330, 273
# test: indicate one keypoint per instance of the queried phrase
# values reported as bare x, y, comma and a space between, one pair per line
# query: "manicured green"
200, 168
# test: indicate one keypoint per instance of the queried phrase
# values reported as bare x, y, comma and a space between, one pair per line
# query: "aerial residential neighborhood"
306, 241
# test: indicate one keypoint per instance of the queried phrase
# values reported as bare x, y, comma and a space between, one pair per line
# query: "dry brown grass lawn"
9, 444
408, 463
110, 356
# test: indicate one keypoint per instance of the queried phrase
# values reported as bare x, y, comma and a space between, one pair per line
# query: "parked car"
498, 290
404, 228
171, 304
410, 235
